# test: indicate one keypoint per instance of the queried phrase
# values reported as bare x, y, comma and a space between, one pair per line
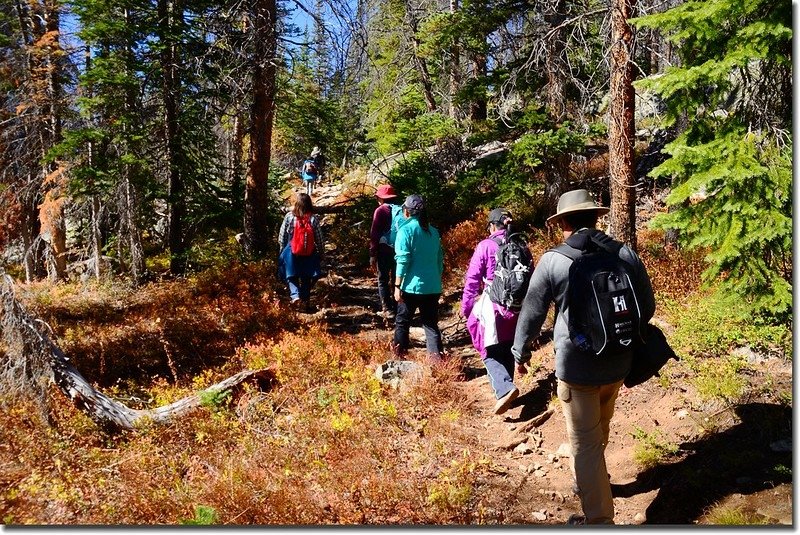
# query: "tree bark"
256, 197
56, 219
478, 105
419, 62
455, 69
556, 70
169, 18
621, 126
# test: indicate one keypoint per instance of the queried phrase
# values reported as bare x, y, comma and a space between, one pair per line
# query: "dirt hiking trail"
726, 456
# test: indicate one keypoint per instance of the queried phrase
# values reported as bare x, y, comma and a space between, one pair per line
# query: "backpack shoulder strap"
605, 242
566, 250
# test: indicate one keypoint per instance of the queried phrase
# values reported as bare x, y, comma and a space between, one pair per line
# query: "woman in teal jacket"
418, 277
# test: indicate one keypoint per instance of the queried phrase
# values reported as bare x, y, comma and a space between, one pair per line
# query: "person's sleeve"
283, 233
534, 311
441, 259
318, 238
644, 290
402, 253
476, 271
380, 222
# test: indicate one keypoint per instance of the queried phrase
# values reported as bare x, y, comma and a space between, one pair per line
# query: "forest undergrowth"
327, 443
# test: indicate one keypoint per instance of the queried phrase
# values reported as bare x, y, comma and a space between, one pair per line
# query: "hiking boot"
504, 403
576, 520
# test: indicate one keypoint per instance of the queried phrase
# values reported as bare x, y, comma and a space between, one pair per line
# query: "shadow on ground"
738, 460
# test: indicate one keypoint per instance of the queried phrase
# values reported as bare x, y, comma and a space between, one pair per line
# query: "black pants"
428, 305
386, 266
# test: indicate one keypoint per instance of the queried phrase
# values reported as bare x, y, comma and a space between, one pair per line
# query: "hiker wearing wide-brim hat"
588, 384
381, 252
576, 201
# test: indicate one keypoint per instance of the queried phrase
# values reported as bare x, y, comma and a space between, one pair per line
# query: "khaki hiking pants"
587, 412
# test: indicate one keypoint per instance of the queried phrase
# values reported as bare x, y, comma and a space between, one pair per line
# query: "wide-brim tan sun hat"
574, 201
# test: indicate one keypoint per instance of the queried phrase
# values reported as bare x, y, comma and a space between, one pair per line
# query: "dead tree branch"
30, 346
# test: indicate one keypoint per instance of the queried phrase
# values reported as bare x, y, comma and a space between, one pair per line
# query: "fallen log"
108, 413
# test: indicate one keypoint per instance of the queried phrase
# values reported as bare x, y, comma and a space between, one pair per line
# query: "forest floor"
428, 453
727, 458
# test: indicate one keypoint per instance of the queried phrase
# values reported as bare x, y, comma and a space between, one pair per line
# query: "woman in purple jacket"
490, 325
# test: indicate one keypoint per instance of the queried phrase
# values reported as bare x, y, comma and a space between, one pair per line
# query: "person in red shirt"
381, 253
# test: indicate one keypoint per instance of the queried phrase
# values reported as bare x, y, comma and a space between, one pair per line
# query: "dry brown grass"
327, 444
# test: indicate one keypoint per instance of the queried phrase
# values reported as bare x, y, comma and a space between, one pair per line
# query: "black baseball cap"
499, 215
414, 204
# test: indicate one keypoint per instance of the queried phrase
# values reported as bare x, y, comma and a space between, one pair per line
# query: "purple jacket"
481, 267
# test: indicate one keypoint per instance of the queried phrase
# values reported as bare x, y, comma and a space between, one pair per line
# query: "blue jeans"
499, 364
300, 287
428, 305
386, 266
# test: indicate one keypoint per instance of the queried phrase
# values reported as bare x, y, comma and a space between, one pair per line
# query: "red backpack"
303, 236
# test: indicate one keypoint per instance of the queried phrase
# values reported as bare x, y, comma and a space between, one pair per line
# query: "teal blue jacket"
419, 257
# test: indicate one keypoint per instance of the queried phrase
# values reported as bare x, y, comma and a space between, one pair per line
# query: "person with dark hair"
418, 280
587, 383
381, 252
491, 325
302, 250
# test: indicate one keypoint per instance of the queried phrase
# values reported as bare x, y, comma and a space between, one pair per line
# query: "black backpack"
512, 271
604, 314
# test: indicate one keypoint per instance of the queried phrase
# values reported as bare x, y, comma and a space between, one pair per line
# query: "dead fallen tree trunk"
35, 345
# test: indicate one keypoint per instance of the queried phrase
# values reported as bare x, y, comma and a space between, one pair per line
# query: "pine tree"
732, 166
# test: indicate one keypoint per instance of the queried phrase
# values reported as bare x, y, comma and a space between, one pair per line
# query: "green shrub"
725, 516
718, 377
203, 516
651, 449
713, 324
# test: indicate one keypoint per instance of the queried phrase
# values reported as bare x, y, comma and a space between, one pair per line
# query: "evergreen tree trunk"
169, 18
555, 63
95, 235
56, 218
621, 130
419, 62
477, 107
256, 195
455, 69
31, 242
130, 202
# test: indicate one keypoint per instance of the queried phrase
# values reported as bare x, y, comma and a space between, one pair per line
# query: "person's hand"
398, 295
522, 369
373, 264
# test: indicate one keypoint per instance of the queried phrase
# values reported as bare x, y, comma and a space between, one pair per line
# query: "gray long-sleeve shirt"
549, 284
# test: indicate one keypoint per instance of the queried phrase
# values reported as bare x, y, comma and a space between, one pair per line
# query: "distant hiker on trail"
311, 169
302, 248
491, 325
381, 246
589, 376
418, 281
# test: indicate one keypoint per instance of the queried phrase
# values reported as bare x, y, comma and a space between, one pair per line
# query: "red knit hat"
385, 191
